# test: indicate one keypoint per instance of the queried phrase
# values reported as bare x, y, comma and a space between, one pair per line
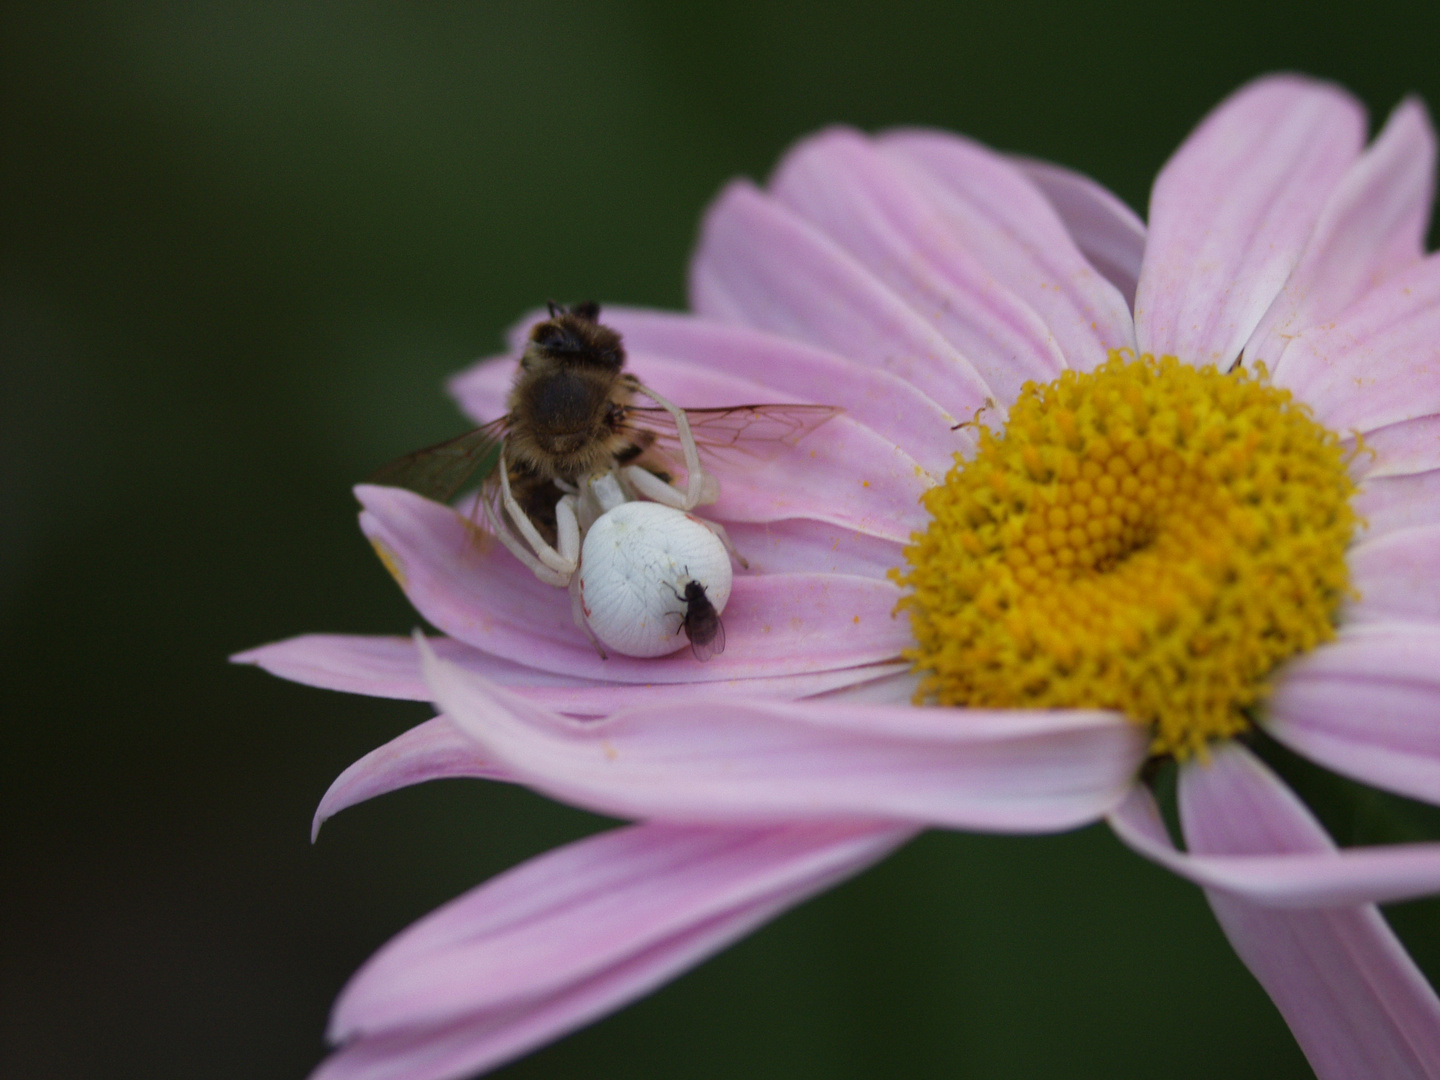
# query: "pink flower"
916, 279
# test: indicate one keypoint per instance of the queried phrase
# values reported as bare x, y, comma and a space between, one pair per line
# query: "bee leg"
548, 556
696, 487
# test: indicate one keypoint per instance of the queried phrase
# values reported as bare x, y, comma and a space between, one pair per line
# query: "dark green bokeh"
242, 245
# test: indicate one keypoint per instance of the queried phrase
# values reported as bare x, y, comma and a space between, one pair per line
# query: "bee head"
565, 417
573, 336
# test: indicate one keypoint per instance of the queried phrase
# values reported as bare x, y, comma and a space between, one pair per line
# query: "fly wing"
439, 471
713, 647
753, 430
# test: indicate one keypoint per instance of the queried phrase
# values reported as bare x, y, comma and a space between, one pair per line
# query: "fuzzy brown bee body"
568, 404
571, 423
566, 421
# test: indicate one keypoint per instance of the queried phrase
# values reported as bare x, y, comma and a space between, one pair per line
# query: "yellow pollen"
1148, 537
389, 560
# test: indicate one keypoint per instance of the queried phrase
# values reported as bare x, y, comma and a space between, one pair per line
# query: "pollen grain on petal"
1148, 537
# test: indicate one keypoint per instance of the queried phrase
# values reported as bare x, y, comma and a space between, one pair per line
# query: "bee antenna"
555, 308
588, 310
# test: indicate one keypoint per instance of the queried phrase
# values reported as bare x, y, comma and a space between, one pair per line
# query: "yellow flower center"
1148, 537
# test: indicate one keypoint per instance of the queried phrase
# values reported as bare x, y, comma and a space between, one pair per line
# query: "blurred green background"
242, 245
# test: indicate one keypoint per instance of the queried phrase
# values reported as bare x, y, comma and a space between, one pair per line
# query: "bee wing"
714, 647
755, 430
439, 471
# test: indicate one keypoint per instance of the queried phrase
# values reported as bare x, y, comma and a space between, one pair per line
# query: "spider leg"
506, 536
577, 612
696, 488
724, 538
567, 528
548, 556
650, 486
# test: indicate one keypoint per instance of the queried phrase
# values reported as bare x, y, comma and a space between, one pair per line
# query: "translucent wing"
713, 647
757, 430
439, 471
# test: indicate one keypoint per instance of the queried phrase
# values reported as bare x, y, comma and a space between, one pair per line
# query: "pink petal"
1367, 706
1397, 575
1412, 446
1373, 227
893, 688
481, 388
998, 214
1378, 362
390, 667
887, 405
572, 935
728, 760
1232, 210
802, 545
457, 1049
842, 472
385, 667
1388, 503
775, 624
761, 265
881, 213
1290, 879
571, 913
437, 750
602, 699
1353, 998
1108, 233
434, 750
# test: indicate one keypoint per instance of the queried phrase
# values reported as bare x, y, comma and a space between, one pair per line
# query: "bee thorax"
565, 404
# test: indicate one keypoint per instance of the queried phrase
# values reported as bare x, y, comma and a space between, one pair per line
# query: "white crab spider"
638, 558
604, 503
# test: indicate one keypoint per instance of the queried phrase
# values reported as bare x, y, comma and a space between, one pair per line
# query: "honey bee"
572, 419
700, 621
